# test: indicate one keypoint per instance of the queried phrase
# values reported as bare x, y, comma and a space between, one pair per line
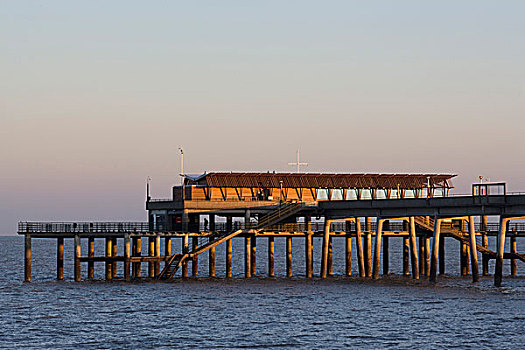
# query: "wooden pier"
413, 208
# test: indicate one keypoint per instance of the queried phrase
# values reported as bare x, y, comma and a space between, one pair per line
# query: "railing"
82, 227
143, 227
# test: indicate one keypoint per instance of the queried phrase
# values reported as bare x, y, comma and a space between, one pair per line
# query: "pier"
212, 209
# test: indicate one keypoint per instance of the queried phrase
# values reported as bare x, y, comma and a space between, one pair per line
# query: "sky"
95, 96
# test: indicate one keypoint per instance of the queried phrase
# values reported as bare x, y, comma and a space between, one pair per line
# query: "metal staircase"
457, 234
283, 212
176, 260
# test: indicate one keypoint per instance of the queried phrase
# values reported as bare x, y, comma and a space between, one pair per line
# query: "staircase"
176, 260
455, 233
284, 211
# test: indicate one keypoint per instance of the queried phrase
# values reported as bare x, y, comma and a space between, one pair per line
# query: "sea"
395, 312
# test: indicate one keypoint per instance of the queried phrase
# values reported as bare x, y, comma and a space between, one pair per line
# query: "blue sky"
95, 96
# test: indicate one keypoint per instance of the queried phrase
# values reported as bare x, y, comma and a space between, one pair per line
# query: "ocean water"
202, 313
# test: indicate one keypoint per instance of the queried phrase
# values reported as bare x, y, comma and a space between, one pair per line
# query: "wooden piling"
127, 255
114, 254
463, 257
406, 254
473, 250
377, 250
77, 258
157, 255
359, 246
271, 257
247, 257
348, 251
308, 245
167, 248
421, 242
386, 254
368, 246
185, 249
151, 253
413, 249
60, 258
513, 250
211, 259
289, 256
330, 257
326, 246
137, 251
428, 253
253, 255
109, 253
442, 255
195, 260
91, 254
435, 249
498, 273
485, 257
229, 252
27, 258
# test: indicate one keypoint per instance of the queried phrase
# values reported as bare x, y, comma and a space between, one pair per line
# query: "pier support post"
137, 251
271, 257
377, 250
229, 252
359, 246
247, 257
77, 258
386, 265
211, 259
513, 250
473, 250
109, 263
413, 249
464, 256
422, 263
91, 254
435, 249
157, 255
114, 255
330, 257
185, 249
27, 258
254, 255
406, 254
289, 257
428, 254
229, 223
484, 257
498, 273
151, 253
326, 247
195, 260
127, 255
348, 250
484, 243
60, 259
442, 255
368, 246
167, 248
308, 245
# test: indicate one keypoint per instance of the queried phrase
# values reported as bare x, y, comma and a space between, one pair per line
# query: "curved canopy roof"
320, 180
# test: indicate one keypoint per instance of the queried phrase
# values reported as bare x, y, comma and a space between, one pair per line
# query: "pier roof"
320, 180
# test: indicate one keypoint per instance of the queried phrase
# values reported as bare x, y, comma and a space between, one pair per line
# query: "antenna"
148, 181
181, 164
298, 162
